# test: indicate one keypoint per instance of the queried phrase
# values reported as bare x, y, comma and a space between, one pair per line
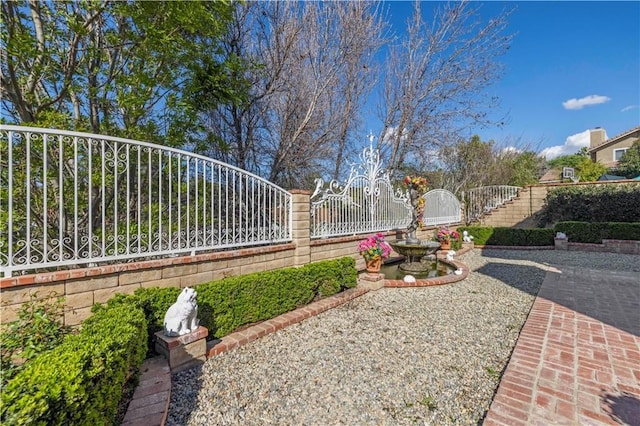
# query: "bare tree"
327, 81
435, 79
311, 68
474, 163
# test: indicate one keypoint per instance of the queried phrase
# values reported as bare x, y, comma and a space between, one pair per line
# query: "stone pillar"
372, 281
185, 351
301, 226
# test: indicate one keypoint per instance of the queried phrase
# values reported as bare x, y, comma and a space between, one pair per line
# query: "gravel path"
429, 355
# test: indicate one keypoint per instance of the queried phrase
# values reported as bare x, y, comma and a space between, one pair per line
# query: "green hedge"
227, 304
80, 381
592, 203
504, 236
588, 232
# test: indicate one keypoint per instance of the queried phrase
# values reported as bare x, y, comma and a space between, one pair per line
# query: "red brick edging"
447, 279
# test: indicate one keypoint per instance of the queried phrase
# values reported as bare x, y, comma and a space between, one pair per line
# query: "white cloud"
571, 145
510, 149
586, 101
628, 108
390, 135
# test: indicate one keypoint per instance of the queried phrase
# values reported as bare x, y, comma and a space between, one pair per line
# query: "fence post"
300, 232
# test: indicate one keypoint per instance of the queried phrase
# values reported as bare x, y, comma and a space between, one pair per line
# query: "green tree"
570, 160
586, 169
589, 170
474, 163
525, 168
629, 164
117, 68
468, 164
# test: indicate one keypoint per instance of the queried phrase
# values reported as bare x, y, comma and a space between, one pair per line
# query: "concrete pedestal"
371, 281
185, 351
561, 243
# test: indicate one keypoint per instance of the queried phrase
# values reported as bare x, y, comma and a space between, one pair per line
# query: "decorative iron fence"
479, 201
441, 208
365, 203
69, 198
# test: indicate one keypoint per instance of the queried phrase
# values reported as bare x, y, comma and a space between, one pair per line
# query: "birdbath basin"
413, 255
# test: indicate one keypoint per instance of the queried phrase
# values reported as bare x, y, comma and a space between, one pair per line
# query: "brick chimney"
596, 137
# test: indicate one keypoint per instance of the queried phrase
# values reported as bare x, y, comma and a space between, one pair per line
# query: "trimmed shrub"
154, 304
592, 203
588, 232
232, 302
80, 381
38, 328
236, 301
504, 236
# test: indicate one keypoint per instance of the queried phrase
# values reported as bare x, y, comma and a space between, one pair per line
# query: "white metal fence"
484, 199
69, 198
365, 203
441, 207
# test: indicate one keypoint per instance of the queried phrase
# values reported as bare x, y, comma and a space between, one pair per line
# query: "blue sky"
572, 66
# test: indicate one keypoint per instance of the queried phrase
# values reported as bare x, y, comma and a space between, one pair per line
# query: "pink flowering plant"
445, 234
374, 247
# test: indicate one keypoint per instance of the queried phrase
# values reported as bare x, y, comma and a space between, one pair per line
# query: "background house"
609, 151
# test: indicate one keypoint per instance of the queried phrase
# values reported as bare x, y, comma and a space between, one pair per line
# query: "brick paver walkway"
150, 401
577, 360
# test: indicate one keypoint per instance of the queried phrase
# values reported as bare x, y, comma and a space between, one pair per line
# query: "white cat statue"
466, 237
181, 318
450, 255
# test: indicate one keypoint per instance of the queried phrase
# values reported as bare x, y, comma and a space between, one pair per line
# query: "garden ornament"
466, 237
181, 318
450, 255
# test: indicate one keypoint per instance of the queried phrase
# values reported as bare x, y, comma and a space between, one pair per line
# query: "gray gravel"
391, 357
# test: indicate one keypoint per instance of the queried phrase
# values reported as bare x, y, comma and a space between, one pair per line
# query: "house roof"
552, 175
614, 139
610, 177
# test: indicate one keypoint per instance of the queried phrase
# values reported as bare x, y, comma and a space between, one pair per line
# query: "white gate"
441, 208
365, 203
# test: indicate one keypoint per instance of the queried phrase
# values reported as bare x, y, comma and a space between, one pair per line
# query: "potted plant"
374, 249
446, 237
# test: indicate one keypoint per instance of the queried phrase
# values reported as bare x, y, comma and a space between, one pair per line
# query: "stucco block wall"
98, 285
